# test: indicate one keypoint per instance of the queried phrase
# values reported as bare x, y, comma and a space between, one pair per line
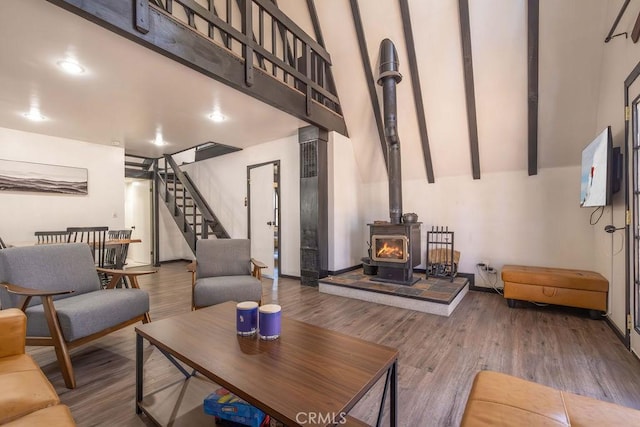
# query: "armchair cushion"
53, 416
48, 267
89, 313
21, 362
12, 338
223, 257
30, 391
215, 290
27, 398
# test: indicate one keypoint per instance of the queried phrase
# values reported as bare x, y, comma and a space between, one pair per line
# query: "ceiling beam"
616, 21
469, 88
417, 89
371, 83
184, 45
635, 34
315, 21
533, 30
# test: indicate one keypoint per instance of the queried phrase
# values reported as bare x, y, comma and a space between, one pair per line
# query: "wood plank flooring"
439, 356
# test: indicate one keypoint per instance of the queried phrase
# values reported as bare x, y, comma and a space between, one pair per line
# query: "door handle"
270, 223
133, 227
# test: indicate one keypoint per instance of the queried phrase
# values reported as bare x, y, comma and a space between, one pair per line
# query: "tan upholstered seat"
574, 288
27, 397
498, 399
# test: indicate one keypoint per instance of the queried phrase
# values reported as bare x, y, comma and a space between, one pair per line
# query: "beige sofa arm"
13, 331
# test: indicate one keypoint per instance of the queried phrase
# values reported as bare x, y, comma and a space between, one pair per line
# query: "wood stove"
395, 250
395, 245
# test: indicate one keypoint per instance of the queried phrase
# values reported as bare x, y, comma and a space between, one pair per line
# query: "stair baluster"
190, 211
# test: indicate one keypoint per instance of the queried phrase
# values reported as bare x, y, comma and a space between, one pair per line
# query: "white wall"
620, 57
172, 245
504, 218
223, 184
346, 215
24, 213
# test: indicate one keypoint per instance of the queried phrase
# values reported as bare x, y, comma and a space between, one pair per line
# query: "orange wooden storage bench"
573, 288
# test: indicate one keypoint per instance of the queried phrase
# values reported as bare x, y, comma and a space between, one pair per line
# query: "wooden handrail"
280, 20
195, 195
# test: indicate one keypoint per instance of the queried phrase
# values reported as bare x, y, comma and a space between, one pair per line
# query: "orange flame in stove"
390, 251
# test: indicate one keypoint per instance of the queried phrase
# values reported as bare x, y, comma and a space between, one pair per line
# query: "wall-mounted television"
597, 176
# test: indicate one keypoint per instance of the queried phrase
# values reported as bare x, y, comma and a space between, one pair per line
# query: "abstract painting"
41, 178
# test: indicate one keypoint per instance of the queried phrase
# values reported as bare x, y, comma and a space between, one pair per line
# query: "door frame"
278, 190
151, 237
630, 232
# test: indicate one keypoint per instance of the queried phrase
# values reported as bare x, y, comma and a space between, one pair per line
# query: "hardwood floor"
439, 356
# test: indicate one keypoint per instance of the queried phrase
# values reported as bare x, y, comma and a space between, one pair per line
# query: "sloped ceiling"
133, 90
572, 36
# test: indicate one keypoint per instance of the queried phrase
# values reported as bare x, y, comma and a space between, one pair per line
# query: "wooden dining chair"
46, 237
95, 237
114, 257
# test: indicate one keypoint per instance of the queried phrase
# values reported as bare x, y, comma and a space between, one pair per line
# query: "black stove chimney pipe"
389, 77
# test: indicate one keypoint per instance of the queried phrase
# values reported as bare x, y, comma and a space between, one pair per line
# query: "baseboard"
617, 331
170, 261
471, 278
344, 270
287, 276
487, 289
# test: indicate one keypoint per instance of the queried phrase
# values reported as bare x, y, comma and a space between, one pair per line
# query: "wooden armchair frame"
192, 267
56, 339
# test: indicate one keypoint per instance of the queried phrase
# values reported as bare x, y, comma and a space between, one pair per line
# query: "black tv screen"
595, 180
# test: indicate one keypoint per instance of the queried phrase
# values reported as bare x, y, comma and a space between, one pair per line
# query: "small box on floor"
227, 406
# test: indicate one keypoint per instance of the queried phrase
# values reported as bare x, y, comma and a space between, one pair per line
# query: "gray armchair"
222, 272
58, 288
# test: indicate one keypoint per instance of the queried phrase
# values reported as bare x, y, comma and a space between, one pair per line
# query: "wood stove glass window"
389, 248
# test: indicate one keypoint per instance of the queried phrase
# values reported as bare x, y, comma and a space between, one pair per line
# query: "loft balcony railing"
249, 45
263, 37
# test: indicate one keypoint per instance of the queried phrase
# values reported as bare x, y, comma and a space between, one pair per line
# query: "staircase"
138, 167
189, 210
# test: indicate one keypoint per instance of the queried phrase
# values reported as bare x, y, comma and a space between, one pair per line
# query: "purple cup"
270, 321
247, 318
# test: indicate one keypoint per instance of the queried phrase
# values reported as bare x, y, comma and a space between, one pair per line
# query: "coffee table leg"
393, 404
383, 400
139, 377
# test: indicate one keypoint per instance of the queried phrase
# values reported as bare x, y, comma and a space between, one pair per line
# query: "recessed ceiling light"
217, 117
34, 115
70, 66
159, 141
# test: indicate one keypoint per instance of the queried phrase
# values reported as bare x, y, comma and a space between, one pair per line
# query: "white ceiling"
127, 93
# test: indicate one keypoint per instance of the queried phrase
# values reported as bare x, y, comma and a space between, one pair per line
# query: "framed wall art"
42, 178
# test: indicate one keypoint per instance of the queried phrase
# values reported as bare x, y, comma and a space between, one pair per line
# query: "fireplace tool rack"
442, 259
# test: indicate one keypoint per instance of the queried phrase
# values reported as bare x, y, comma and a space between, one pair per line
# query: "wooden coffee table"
309, 376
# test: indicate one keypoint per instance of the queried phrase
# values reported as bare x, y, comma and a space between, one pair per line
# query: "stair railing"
169, 178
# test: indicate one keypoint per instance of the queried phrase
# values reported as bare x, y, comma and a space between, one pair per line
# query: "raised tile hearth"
432, 295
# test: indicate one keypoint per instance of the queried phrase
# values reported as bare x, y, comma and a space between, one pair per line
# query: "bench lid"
556, 277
